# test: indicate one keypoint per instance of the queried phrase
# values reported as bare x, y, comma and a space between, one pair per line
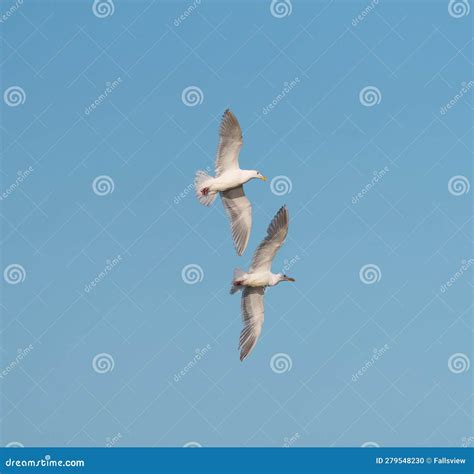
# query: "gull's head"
283, 277
257, 175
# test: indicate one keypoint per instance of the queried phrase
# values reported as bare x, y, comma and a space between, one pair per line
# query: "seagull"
229, 182
254, 282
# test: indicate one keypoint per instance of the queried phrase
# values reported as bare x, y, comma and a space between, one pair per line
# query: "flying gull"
254, 282
229, 182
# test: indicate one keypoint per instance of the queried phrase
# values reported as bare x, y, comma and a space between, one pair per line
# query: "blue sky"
368, 142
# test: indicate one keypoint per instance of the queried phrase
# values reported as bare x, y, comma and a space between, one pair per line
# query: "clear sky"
360, 114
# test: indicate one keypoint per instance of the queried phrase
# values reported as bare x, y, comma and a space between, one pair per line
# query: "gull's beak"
289, 279
263, 178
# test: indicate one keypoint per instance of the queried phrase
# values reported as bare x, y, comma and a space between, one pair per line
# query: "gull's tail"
238, 274
205, 196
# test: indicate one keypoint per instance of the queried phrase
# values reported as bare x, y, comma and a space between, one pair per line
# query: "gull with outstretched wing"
254, 282
228, 181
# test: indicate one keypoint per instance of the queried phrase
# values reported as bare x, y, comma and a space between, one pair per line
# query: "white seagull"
228, 182
254, 282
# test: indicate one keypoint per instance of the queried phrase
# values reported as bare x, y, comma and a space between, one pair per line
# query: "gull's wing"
252, 317
239, 210
230, 143
276, 235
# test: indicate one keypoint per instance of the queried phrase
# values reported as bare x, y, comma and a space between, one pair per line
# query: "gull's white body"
254, 282
229, 181
257, 279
